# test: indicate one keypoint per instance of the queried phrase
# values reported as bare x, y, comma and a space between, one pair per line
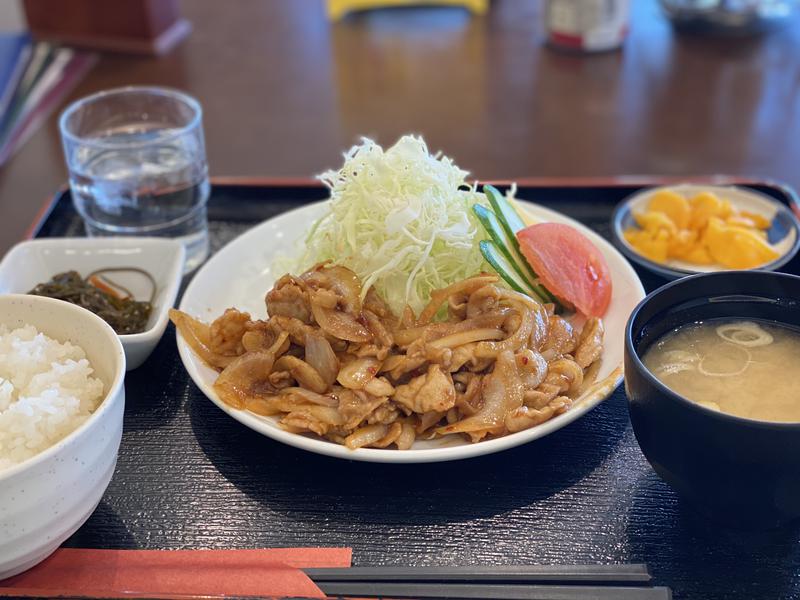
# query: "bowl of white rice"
61, 405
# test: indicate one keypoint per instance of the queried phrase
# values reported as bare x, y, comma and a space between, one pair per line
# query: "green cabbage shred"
401, 219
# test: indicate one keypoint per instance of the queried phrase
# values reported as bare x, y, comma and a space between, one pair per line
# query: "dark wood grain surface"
189, 476
285, 93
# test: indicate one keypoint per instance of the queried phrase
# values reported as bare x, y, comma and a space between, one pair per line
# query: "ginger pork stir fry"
351, 371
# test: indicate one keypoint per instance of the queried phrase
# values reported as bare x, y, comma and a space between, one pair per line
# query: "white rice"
46, 392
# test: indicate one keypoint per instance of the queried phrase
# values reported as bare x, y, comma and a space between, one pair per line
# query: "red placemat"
176, 573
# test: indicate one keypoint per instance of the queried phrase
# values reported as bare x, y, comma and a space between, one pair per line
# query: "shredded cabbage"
401, 219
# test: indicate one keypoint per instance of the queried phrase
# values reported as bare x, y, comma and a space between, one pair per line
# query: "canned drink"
587, 25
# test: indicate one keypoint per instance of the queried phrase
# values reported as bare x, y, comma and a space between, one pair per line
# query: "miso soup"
749, 368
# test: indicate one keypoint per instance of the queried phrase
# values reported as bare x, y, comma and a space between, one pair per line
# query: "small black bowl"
743, 472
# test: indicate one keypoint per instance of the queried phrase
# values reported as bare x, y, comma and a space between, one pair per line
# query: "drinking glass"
137, 166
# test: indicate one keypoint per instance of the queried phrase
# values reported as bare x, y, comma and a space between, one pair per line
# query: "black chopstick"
632, 574
466, 591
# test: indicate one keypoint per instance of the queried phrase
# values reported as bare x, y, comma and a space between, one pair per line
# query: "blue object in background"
15, 51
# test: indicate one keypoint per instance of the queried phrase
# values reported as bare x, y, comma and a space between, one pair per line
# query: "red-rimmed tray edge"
567, 182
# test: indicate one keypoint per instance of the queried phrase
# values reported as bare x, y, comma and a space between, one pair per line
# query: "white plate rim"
459, 452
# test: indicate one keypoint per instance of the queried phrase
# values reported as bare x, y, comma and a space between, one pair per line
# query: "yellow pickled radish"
760, 221
699, 256
682, 243
740, 221
737, 247
754, 250
654, 221
648, 245
672, 204
702, 230
634, 236
704, 206
725, 209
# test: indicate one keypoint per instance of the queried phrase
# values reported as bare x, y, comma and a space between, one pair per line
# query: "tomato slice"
569, 265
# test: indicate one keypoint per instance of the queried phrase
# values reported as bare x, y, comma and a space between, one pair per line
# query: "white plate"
240, 275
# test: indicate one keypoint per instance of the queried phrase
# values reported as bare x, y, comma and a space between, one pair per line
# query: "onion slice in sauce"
745, 333
321, 356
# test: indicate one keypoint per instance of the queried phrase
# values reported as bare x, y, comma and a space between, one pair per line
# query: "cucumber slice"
500, 263
511, 223
499, 236
508, 217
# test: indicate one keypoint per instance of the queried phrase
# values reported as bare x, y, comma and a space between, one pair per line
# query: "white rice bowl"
46, 392
61, 423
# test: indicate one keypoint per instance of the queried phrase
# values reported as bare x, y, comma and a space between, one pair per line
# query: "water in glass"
159, 189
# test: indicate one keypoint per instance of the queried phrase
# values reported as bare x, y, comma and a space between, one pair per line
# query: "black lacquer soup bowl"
743, 472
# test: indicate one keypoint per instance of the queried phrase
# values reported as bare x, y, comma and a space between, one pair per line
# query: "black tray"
188, 476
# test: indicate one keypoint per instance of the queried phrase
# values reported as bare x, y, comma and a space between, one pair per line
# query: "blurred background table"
285, 92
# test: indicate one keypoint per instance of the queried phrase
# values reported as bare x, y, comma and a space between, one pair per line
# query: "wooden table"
285, 93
